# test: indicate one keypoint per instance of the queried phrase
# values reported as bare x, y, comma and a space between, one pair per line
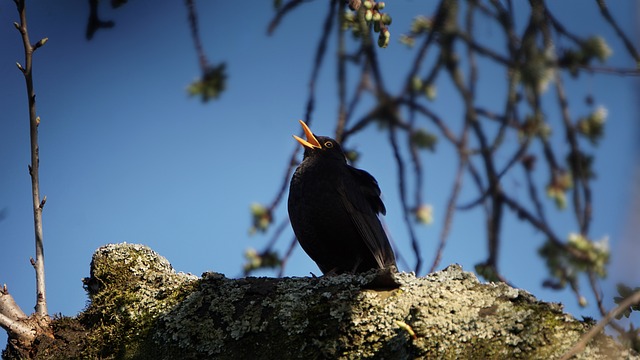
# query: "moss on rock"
129, 288
140, 308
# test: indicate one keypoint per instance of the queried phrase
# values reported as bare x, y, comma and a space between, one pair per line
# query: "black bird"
333, 210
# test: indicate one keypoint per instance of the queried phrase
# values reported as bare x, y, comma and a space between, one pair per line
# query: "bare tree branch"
34, 121
607, 15
284, 10
580, 345
530, 61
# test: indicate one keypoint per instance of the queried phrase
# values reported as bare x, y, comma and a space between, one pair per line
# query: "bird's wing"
363, 207
370, 189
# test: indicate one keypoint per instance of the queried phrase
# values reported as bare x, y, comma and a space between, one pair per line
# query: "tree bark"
34, 172
142, 309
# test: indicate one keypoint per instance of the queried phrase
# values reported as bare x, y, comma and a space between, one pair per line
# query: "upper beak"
311, 142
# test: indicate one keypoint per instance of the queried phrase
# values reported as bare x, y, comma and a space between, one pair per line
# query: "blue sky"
126, 155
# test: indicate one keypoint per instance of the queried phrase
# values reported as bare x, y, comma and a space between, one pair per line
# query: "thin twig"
580, 176
422, 51
341, 135
584, 340
320, 52
533, 193
34, 121
437, 121
195, 35
403, 198
593, 282
607, 15
342, 76
451, 207
281, 13
276, 234
287, 255
285, 180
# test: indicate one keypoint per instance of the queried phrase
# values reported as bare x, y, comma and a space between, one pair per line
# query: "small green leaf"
211, 85
424, 139
261, 218
597, 47
424, 214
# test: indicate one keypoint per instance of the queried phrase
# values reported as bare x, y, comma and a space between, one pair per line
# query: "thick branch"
448, 314
12, 318
17, 329
8, 306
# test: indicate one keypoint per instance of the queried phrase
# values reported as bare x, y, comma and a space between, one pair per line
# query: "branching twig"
607, 15
403, 198
34, 121
484, 152
281, 13
287, 174
584, 340
451, 207
320, 52
342, 77
582, 211
195, 35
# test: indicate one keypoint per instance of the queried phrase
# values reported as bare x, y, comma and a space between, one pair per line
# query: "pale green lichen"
130, 286
154, 313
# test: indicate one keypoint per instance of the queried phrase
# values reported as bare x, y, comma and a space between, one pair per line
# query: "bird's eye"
328, 144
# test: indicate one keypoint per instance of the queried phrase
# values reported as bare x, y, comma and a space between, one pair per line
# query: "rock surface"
141, 308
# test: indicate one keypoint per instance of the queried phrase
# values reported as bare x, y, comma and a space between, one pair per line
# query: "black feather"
334, 209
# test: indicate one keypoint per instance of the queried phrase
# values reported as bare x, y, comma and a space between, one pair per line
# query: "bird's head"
319, 146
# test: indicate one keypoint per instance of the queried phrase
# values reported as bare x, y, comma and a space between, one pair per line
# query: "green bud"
386, 19
424, 139
416, 83
582, 301
558, 195
424, 214
352, 156
349, 16
381, 5
383, 42
420, 24
40, 43
407, 40
368, 15
368, 4
598, 47
600, 115
430, 92
376, 16
261, 218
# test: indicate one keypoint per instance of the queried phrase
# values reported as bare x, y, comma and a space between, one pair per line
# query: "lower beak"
311, 142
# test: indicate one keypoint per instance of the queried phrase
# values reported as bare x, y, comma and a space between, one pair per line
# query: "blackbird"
333, 210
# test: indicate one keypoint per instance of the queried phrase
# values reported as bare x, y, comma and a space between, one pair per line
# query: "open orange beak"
311, 142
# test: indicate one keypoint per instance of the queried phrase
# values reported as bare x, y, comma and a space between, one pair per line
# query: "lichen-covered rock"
141, 308
130, 287
452, 315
